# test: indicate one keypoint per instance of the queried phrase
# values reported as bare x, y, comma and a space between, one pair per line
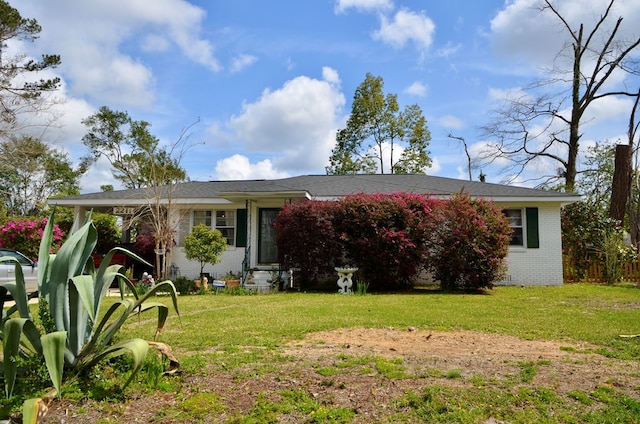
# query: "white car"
8, 269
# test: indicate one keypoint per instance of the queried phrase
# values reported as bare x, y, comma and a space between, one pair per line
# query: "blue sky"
271, 82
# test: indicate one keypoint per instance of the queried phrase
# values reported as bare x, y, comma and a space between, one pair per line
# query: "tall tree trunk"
621, 185
576, 113
634, 203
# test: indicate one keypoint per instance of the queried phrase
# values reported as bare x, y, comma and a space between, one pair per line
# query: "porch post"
79, 215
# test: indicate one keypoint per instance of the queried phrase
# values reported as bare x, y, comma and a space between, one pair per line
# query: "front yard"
516, 355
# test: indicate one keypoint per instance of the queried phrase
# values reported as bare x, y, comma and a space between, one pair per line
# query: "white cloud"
448, 50
499, 94
90, 37
297, 122
155, 43
452, 122
418, 88
521, 30
436, 166
98, 175
363, 5
241, 62
406, 26
331, 76
239, 167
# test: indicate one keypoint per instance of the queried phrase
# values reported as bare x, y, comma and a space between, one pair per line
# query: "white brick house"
244, 210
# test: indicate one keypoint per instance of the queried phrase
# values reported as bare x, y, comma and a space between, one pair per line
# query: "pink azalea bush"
24, 235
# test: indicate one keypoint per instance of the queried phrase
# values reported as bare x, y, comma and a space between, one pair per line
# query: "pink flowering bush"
24, 235
307, 241
388, 236
392, 238
472, 243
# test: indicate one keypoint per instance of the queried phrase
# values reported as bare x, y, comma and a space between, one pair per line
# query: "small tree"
585, 225
204, 245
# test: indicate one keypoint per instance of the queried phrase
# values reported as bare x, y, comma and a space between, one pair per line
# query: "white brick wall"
231, 261
542, 266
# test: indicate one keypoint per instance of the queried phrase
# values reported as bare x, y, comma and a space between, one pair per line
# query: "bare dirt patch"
426, 358
563, 366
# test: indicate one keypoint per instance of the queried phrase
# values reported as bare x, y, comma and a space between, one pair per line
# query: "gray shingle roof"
331, 186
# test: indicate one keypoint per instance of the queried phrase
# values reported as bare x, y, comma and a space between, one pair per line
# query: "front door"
267, 249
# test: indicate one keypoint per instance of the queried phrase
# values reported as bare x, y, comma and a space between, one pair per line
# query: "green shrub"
184, 285
584, 229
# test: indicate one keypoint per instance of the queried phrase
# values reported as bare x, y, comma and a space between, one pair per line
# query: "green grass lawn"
590, 313
240, 339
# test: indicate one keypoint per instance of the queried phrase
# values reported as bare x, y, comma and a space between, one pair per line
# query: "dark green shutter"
533, 236
241, 228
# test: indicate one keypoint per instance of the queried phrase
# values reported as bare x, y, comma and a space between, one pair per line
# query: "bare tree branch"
547, 126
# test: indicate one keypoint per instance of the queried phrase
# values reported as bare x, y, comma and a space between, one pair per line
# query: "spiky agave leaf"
44, 255
68, 262
53, 349
138, 348
166, 286
13, 330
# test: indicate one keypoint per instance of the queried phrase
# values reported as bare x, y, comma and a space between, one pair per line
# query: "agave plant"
72, 291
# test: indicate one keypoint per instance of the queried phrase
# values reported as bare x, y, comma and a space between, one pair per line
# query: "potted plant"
232, 280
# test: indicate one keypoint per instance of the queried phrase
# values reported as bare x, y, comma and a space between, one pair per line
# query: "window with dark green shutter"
241, 228
533, 234
524, 227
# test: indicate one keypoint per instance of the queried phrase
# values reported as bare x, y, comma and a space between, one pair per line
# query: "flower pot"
232, 284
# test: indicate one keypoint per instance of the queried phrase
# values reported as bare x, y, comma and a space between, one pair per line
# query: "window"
16, 255
202, 217
223, 221
515, 222
524, 223
226, 223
